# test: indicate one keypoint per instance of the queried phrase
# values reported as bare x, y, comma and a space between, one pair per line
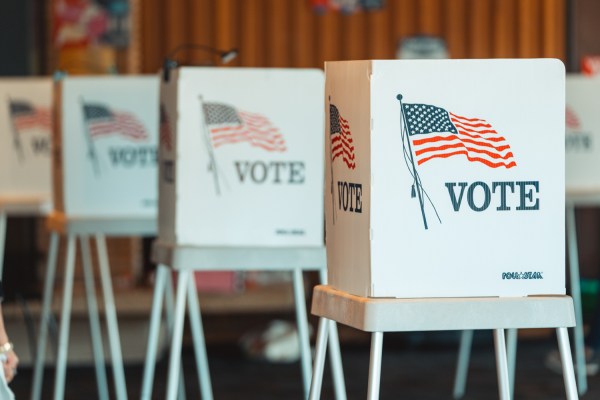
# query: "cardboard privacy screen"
105, 146
241, 157
25, 139
445, 178
582, 134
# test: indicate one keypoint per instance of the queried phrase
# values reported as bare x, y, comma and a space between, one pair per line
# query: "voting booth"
445, 178
582, 148
240, 188
25, 150
105, 184
444, 205
105, 155
581, 187
241, 163
25, 140
582, 140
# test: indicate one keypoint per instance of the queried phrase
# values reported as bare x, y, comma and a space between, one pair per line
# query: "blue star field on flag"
424, 119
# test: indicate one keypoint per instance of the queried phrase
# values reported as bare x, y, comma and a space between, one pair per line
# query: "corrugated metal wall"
287, 33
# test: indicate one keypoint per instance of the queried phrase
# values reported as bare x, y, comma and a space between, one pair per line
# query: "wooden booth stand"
105, 143
451, 213
25, 127
240, 188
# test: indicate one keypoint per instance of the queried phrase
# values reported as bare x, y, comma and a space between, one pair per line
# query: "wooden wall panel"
431, 21
304, 38
152, 37
225, 25
132, 56
457, 28
252, 37
329, 42
176, 32
505, 34
288, 33
354, 37
198, 16
405, 18
480, 29
530, 28
554, 25
381, 45
583, 26
278, 43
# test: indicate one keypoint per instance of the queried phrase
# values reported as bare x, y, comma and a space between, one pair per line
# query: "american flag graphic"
341, 138
437, 133
26, 116
228, 125
165, 135
571, 119
101, 121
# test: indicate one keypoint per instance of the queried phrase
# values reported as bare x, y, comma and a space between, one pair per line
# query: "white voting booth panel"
106, 146
582, 183
105, 149
25, 139
241, 159
435, 169
582, 134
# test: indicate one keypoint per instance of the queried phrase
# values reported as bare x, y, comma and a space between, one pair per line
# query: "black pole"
16, 137
90, 141
412, 161
333, 210
209, 147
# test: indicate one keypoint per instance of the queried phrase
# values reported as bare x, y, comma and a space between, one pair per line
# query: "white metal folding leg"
153, 330
319, 363
335, 355
38, 372
199, 341
181, 257
375, 363
177, 335
501, 364
462, 365
111, 319
303, 333
95, 329
376, 354
511, 356
169, 307
464, 354
375, 366
162, 291
63, 339
406, 315
567, 363
576, 294
302, 324
578, 336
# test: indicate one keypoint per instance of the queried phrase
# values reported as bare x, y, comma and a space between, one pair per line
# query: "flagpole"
415, 175
333, 210
16, 137
209, 147
90, 142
